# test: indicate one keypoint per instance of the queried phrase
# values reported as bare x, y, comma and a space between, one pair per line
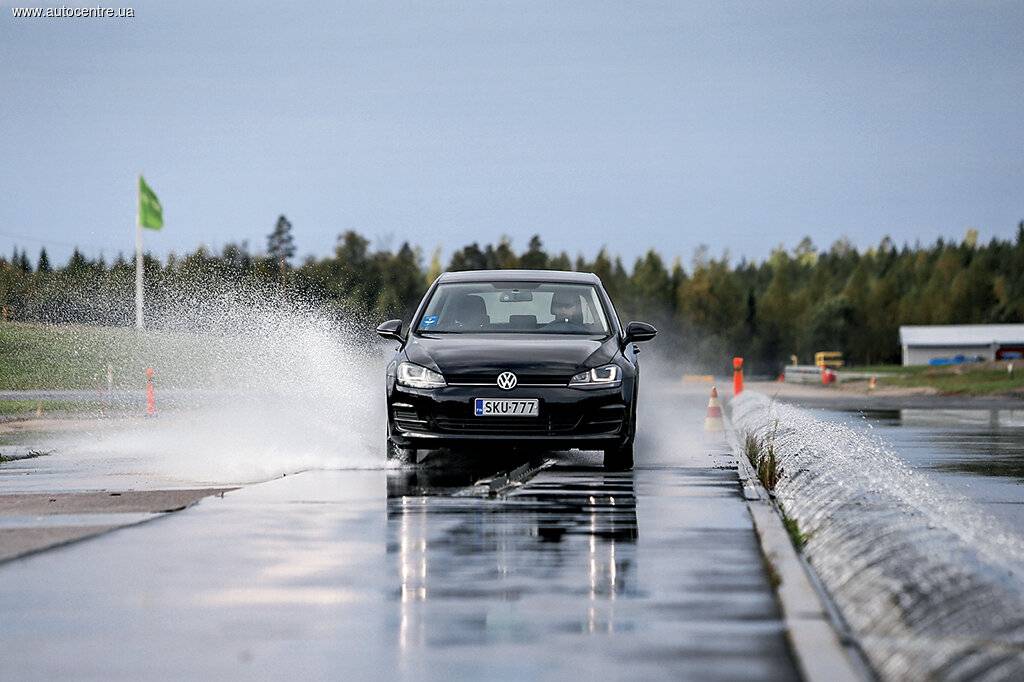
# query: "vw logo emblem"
507, 381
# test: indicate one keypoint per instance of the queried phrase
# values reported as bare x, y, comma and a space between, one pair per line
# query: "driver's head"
566, 306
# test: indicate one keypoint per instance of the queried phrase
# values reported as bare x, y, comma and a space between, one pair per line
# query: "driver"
568, 312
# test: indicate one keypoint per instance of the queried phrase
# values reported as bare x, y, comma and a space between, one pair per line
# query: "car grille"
523, 425
607, 419
521, 380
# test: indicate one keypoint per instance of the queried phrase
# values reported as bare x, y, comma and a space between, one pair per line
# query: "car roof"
520, 276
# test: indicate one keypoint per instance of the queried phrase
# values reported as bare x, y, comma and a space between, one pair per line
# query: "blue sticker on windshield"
428, 321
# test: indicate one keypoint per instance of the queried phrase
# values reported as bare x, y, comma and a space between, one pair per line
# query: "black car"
522, 358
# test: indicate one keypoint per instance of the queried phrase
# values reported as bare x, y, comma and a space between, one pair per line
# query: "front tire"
396, 453
619, 458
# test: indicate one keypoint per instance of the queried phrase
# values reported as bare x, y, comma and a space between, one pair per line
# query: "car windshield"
514, 307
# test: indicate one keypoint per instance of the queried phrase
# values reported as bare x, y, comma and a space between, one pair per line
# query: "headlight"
415, 376
609, 375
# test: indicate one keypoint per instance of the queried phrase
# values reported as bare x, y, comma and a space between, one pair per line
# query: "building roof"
521, 276
961, 334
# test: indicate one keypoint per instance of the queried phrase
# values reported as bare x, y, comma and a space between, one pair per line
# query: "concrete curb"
820, 653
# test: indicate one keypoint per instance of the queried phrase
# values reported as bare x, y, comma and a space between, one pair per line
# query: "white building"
921, 343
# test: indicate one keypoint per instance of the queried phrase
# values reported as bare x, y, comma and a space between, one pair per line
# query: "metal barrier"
803, 374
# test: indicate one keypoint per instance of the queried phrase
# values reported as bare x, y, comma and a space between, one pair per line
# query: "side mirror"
392, 329
638, 331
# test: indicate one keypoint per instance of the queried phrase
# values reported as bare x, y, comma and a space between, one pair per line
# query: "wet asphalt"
446, 571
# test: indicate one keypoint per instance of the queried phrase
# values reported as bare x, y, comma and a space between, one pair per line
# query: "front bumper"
588, 418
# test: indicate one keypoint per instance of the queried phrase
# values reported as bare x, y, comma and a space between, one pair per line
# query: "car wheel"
619, 458
395, 453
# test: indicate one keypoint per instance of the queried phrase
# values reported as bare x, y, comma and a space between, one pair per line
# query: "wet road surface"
421, 574
33, 522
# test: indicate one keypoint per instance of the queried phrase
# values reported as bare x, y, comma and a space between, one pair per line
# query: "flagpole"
138, 255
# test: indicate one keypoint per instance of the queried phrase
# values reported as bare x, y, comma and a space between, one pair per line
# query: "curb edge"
816, 644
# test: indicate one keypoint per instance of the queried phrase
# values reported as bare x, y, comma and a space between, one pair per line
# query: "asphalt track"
441, 572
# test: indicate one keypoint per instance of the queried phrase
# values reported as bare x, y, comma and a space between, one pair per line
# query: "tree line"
795, 302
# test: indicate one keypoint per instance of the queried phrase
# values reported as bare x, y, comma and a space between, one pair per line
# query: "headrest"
564, 299
469, 309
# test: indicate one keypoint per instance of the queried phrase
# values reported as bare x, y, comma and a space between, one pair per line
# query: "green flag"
151, 213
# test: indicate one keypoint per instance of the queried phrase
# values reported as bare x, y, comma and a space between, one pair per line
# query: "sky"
738, 125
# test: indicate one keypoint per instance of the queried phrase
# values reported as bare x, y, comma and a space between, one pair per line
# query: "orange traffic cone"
713, 420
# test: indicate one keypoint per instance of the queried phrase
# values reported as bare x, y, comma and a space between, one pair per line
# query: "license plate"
495, 407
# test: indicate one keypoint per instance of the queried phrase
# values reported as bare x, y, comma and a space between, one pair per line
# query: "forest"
795, 302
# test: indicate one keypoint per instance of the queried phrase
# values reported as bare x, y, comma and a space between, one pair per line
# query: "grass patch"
37, 356
796, 536
761, 454
29, 407
963, 381
885, 370
751, 448
42, 356
768, 469
980, 378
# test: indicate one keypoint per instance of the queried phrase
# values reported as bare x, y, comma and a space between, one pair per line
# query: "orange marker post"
150, 394
737, 376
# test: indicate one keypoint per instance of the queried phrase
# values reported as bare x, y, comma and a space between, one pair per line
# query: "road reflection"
473, 569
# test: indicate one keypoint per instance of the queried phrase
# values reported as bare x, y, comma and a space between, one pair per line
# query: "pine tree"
469, 258
560, 262
281, 245
534, 258
77, 263
651, 287
501, 257
44, 262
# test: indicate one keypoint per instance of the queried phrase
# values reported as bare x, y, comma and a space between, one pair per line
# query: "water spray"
932, 584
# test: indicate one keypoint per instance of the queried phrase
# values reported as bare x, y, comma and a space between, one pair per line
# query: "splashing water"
931, 584
251, 384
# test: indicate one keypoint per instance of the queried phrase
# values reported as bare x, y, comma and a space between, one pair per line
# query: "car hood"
487, 355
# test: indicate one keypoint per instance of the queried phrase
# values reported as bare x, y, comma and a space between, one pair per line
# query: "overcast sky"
631, 125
